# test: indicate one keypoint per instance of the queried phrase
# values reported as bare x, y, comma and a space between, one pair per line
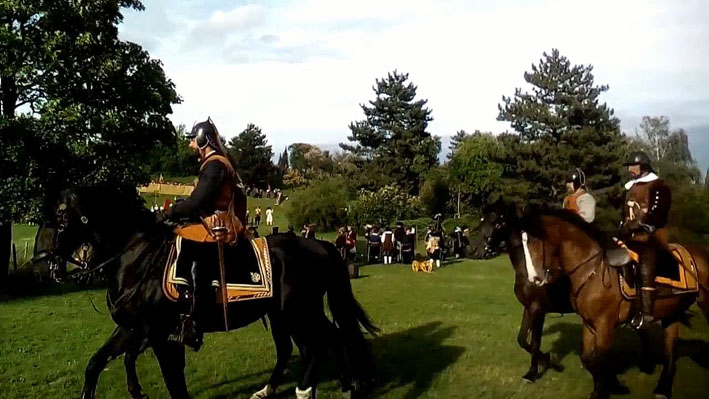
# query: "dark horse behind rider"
135, 249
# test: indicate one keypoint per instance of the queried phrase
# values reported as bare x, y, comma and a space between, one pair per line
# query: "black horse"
498, 225
134, 249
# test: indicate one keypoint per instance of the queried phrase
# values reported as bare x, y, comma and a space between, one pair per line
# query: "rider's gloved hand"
629, 227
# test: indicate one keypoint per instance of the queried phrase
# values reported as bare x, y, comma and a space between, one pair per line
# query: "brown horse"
497, 226
561, 243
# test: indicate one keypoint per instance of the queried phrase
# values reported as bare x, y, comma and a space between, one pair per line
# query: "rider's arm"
203, 199
587, 207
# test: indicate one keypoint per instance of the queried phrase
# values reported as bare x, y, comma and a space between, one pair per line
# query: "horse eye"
60, 228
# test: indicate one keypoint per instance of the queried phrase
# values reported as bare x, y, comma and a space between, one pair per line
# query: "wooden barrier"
167, 189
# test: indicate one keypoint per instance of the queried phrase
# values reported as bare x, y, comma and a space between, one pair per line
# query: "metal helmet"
639, 158
577, 178
205, 133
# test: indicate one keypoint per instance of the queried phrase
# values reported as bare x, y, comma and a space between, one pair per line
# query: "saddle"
249, 274
676, 269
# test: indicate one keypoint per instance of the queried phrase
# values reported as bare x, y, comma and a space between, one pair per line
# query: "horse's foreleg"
118, 343
669, 366
524, 334
134, 388
596, 346
171, 357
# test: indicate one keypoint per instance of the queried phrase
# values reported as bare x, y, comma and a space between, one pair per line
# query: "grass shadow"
411, 357
414, 356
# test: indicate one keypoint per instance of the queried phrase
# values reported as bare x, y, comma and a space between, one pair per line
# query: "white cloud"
300, 69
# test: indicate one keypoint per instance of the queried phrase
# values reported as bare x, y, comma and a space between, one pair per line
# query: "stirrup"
641, 321
187, 334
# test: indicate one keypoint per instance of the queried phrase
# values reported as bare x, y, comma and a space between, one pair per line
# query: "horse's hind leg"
284, 350
120, 341
311, 338
669, 366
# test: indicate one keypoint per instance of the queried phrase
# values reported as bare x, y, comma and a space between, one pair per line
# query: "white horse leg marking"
532, 275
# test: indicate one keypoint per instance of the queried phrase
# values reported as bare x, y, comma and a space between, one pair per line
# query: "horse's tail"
349, 318
346, 311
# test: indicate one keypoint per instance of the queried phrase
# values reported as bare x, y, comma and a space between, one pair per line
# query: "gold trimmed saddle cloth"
249, 273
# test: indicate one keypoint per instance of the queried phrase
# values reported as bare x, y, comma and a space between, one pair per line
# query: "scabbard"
223, 288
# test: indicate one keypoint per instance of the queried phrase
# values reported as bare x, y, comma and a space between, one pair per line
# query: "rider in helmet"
578, 199
645, 214
218, 189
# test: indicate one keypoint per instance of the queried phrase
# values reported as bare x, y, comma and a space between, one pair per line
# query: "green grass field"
450, 334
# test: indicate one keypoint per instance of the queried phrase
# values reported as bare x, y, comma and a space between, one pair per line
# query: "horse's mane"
531, 222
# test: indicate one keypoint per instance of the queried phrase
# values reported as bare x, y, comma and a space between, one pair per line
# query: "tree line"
79, 106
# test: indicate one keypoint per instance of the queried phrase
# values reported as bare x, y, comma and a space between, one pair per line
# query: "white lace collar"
645, 179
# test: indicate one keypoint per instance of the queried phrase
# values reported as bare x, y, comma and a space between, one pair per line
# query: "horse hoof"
264, 393
530, 378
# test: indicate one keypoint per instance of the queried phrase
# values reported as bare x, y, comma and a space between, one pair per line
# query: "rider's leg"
648, 259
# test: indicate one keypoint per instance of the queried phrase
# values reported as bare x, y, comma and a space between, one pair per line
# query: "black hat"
638, 158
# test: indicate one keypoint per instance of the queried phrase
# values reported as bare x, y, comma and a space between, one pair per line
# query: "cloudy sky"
300, 69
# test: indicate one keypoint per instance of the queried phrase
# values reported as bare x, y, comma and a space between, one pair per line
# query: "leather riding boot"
647, 291
202, 298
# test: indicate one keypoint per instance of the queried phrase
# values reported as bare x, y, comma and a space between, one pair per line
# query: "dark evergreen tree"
561, 125
283, 160
392, 138
253, 155
460, 135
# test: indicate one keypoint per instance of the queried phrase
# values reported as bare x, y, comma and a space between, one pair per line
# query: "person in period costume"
217, 200
387, 245
578, 199
646, 212
269, 216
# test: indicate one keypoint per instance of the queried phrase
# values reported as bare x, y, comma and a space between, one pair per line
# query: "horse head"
492, 230
64, 230
98, 218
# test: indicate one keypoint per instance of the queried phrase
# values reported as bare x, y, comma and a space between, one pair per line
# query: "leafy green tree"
393, 136
670, 150
435, 195
561, 125
310, 161
78, 105
174, 158
253, 155
475, 171
386, 205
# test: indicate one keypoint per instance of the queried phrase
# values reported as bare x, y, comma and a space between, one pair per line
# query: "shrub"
323, 203
387, 205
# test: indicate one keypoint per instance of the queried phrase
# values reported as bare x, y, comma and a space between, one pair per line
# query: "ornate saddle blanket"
676, 269
248, 270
